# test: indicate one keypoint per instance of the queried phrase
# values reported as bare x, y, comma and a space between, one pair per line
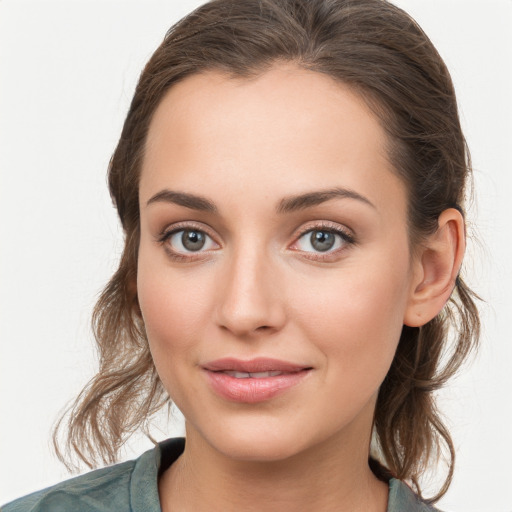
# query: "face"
274, 267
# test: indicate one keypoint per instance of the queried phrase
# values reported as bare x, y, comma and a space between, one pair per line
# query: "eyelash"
347, 239
167, 233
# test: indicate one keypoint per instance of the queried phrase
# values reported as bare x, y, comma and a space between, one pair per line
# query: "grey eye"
193, 240
322, 240
190, 240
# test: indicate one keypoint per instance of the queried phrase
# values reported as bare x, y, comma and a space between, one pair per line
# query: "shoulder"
96, 490
402, 497
116, 488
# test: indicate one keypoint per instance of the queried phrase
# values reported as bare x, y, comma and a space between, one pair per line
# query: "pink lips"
253, 381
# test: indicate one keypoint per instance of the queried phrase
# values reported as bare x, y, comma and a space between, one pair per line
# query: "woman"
290, 179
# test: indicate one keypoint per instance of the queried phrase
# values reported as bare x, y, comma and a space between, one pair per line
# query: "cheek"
355, 319
174, 312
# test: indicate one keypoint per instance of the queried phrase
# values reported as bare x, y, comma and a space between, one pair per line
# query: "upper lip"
260, 364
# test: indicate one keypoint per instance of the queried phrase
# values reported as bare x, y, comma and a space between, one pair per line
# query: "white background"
67, 73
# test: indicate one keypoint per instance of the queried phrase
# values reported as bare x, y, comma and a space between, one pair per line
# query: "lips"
253, 381
261, 364
252, 375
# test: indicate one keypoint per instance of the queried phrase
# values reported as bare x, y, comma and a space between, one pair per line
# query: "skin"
259, 288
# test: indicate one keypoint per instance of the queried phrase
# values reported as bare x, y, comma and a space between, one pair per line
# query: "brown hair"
379, 51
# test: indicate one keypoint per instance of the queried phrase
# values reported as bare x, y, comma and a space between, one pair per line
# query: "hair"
381, 53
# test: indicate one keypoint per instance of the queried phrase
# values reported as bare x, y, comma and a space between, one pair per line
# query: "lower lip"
252, 390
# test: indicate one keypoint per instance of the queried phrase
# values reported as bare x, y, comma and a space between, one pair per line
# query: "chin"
249, 442
268, 441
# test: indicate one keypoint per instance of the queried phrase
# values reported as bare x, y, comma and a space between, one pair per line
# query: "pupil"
193, 240
322, 240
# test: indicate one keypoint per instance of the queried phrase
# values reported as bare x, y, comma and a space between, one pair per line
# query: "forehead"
286, 130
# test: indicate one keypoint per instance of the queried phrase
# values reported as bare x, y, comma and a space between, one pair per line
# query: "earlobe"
436, 269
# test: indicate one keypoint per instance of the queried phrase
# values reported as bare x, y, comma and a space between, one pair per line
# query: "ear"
435, 269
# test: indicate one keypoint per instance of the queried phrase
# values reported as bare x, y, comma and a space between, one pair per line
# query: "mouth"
254, 367
253, 381
252, 375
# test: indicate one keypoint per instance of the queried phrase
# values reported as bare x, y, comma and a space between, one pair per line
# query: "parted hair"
382, 54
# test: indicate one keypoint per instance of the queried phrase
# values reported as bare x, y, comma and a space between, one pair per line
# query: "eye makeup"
319, 241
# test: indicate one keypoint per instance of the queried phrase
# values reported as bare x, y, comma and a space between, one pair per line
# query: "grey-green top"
133, 487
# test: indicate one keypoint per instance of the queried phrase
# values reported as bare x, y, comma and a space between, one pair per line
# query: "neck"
330, 476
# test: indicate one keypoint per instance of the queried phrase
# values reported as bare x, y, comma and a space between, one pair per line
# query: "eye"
319, 241
323, 240
186, 241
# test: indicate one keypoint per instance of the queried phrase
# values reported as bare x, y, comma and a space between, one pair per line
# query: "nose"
251, 299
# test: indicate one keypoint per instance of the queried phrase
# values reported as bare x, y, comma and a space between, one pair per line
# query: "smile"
253, 381
254, 375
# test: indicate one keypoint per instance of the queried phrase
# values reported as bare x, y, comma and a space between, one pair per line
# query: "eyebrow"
303, 201
183, 199
286, 205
